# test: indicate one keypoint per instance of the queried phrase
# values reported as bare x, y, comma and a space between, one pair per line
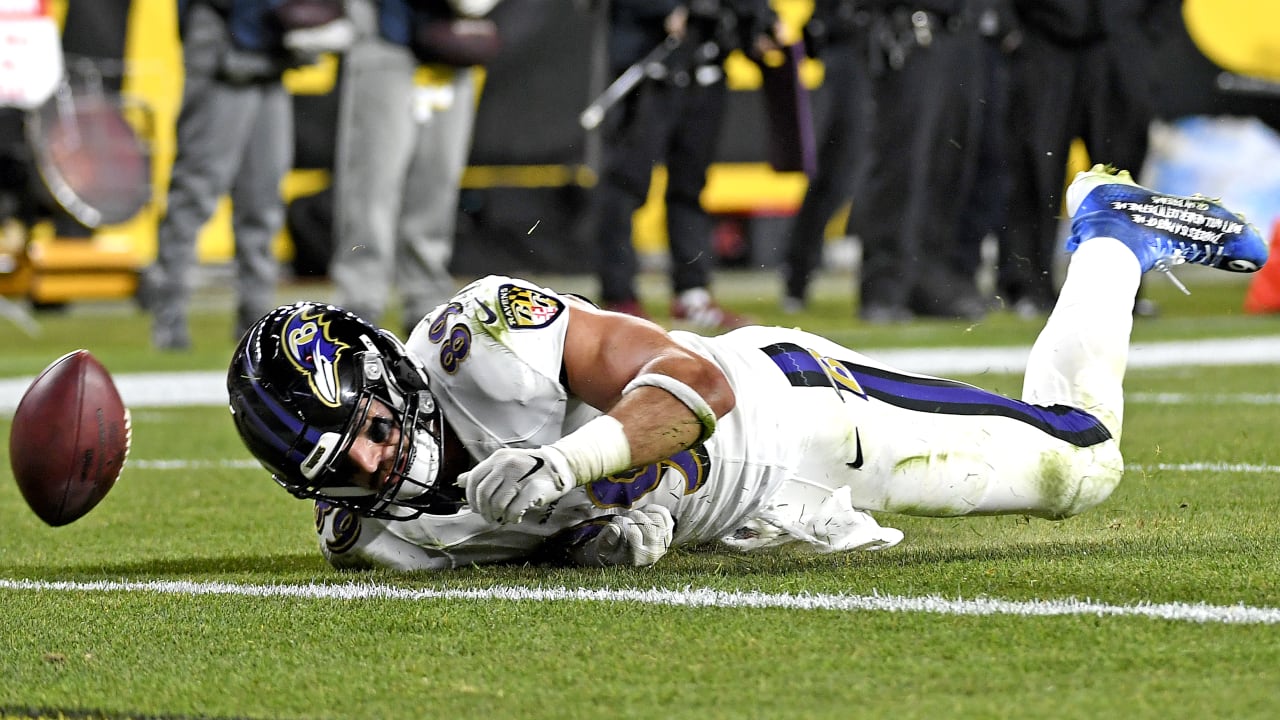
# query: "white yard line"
209, 388
689, 597
1206, 467
1172, 398
180, 464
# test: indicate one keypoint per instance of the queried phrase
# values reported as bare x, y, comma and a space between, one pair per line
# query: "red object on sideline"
1264, 291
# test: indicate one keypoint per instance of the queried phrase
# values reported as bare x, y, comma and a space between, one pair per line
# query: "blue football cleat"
1162, 230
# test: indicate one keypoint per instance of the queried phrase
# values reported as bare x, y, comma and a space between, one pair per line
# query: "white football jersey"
819, 434
494, 355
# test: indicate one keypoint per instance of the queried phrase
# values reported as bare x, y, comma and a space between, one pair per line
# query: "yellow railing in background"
1239, 35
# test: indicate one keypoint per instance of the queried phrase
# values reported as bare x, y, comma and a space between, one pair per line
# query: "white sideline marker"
208, 388
691, 597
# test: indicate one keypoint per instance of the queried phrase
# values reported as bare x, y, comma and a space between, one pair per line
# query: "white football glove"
512, 481
638, 537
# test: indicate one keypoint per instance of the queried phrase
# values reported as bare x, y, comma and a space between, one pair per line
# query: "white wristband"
682, 392
598, 449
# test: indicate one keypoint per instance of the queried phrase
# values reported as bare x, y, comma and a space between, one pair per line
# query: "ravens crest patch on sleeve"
527, 309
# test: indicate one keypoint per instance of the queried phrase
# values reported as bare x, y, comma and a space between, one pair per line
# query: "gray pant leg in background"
376, 131
257, 209
217, 125
429, 211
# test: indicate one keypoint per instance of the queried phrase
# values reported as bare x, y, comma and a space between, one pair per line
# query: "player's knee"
1073, 482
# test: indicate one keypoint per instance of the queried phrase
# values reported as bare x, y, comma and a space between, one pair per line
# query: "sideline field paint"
1208, 467
1172, 398
690, 597
140, 390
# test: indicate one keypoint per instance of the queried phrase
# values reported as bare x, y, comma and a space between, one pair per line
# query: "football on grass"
69, 439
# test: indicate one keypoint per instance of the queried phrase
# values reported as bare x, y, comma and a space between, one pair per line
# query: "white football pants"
913, 444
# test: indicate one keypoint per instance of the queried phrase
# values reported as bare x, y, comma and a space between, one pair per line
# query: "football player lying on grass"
520, 423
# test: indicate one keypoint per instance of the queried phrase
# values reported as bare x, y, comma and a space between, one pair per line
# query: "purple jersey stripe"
937, 395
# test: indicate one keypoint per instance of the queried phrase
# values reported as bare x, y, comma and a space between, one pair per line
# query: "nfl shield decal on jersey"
526, 308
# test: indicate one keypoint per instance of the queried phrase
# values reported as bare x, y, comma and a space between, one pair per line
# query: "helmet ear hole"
407, 369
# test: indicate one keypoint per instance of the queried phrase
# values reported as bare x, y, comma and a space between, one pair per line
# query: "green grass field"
196, 590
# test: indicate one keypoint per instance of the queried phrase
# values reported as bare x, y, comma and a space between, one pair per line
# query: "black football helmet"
301, 384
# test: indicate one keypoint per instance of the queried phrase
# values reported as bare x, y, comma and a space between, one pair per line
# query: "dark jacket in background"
1085, 69
638, 27
397, 18
252, 23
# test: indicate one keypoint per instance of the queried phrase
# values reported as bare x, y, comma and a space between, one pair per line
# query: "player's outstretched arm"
665, 396
659, 398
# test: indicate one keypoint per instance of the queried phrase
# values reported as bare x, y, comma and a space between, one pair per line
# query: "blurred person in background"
234, 135
832, 35
674, 119
983, 213
1083, 70
926, 83
406, 115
